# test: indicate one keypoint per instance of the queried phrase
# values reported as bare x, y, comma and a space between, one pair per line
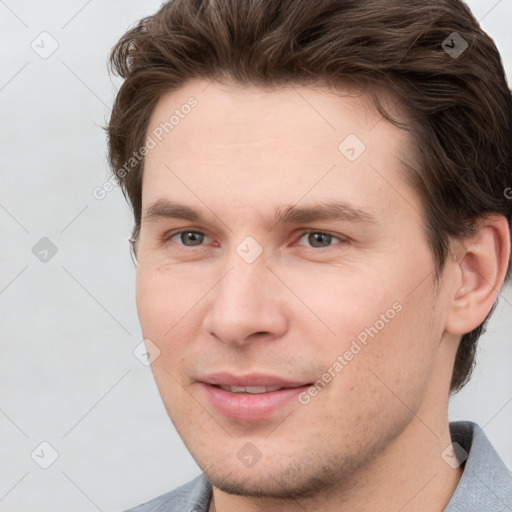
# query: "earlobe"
482, 267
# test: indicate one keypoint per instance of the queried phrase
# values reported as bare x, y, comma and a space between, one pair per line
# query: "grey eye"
318, 239
194, 237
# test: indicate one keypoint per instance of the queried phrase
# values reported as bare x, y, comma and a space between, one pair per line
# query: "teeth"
250, 389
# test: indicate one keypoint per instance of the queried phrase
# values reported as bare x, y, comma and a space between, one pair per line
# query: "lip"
246, 406
251, 379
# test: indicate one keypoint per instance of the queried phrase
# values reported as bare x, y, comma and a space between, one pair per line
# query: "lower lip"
251, 407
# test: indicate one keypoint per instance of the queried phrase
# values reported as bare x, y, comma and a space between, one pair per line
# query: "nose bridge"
243, 287
245, 301
247, 267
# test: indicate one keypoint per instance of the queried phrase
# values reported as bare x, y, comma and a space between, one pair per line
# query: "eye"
188, 238
320, 239
316, 239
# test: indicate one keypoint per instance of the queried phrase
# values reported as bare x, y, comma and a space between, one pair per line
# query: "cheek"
167, 300
340, 303
399, 359
381, 381
148, 298
386, 332
169, 311
160, 306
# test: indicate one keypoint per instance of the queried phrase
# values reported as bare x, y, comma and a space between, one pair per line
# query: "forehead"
251, 144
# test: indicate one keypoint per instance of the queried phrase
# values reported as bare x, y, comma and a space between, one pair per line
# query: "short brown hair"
459, 107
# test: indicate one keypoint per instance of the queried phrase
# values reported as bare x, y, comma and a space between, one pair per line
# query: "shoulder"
194, 496
486, 482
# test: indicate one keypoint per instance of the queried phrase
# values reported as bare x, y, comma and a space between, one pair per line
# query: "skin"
372, 438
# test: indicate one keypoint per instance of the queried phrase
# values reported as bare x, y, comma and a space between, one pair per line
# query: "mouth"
253, 390
251, 397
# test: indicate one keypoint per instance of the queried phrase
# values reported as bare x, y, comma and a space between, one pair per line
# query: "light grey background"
69, 326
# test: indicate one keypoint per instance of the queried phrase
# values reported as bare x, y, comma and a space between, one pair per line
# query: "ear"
481, 268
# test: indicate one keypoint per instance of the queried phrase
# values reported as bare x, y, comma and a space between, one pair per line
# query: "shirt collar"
486, 483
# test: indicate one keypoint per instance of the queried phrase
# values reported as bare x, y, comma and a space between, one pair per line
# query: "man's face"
239, 300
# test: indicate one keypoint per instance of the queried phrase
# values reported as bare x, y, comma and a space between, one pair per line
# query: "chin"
264, 486
299, 479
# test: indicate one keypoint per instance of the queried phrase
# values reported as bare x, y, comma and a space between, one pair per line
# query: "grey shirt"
485, 485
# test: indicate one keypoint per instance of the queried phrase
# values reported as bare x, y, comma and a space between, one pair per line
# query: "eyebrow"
288, 214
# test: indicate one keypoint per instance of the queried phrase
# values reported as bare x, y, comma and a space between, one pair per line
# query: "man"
321, 230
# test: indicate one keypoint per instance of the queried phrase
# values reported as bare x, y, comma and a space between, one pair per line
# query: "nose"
247, 304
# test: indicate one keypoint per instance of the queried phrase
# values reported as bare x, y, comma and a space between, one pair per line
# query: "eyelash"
342, 239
